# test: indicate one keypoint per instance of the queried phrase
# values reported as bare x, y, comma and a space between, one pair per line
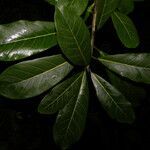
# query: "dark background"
22, 128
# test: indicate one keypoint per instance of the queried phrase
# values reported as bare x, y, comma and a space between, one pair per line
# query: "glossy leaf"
104, 10
112, 100
60, 95
73, 37
125, 29
25, 38
31, 78
78, 6
126, 6
136, 67
133, 92
71, 119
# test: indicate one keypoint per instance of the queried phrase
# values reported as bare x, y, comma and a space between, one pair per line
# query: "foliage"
66, 88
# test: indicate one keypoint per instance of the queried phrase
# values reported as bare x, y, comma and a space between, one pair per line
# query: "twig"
93, 27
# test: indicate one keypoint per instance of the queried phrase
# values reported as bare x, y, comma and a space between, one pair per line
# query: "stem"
93, 27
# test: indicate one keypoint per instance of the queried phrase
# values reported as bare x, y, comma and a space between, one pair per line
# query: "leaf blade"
125, 30
135, 67
24, 38
126, 6
77, 6
112, 100
71, 119
73, 37
31, 78
104, 10
132, 92
60, 95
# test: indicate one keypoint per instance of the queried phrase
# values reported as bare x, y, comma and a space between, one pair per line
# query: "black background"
22, 128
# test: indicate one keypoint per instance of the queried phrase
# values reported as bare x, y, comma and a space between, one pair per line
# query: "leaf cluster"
69, 94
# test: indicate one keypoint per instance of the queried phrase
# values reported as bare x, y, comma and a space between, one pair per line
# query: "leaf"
136, 67
31, 78
78, 6
60, 95
71, 119
112, 100
73, 37
104, 10
134, 93
88, 12
24, 38
125, 29
126, 6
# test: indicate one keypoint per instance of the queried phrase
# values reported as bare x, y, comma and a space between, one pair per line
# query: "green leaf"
31, 78
71, 119
136, 67
133, 92
89, 11
126, 6
104, 10
60, 95
125, 29
73, 37
112, 100
78, 6
24, 38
